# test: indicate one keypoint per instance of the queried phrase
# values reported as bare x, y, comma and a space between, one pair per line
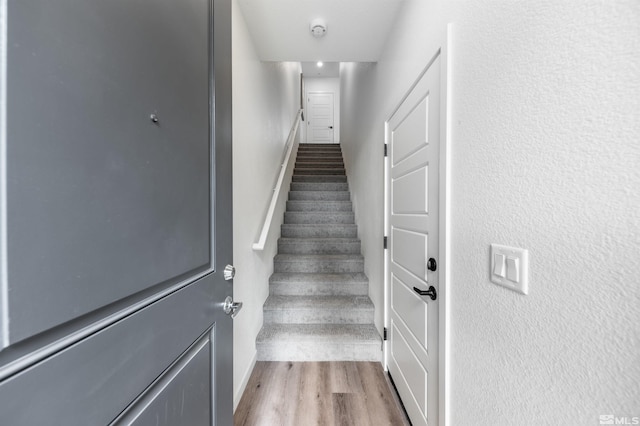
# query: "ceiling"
356, 29
328, 69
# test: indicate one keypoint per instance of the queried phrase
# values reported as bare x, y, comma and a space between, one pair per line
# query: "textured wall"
545, 128
266, 98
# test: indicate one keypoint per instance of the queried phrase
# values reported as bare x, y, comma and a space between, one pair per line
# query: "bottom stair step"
283, 309
319, 342
289, 284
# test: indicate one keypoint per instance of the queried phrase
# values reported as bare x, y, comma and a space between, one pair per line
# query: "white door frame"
444, 51
306, 107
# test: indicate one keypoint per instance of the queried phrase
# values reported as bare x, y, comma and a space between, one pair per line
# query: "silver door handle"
229, 272
230, 307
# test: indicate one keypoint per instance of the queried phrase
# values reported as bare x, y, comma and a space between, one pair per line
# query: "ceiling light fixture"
319, 64
318, 28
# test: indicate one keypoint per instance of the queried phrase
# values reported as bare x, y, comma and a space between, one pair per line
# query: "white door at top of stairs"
413, 134
320, 121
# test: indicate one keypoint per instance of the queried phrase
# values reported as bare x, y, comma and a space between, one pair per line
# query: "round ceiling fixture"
318, 28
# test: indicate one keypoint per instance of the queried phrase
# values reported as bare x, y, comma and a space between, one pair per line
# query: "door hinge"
385, 149
385, 243
385, 334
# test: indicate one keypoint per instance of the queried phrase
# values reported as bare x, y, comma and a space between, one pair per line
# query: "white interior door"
320, 121
413, 135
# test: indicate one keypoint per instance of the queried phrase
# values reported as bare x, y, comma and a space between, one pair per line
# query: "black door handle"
431, 292
331, 127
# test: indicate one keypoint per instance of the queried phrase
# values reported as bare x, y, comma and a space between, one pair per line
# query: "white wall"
331, 85
266, 98
545, 127
363, 139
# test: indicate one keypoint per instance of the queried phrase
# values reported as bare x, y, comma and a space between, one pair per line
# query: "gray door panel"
91, 382
102, 202
181, 396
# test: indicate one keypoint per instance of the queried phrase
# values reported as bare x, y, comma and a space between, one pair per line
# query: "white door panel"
412, 378
412, 309
409, 249
408, 200
413, 134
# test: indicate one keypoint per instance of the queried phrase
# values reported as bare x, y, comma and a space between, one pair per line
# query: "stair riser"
303, 247
311, 218
318, 316
322, 231
319, 179
319, 266
319, 172
319, 196
319, 289
322, 156
318, 159
319, 186
327, 165
319, 206
304, 148
304, 155
320, 351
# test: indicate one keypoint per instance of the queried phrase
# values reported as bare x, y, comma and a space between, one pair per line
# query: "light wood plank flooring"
318, 393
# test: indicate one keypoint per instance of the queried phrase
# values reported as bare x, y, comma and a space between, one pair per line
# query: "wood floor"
318, 393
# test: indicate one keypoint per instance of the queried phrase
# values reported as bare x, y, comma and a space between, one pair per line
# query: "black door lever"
431, 292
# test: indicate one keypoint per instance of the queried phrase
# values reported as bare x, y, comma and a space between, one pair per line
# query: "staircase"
318, 307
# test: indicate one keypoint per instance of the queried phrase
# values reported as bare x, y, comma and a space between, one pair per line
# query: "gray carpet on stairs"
318, 307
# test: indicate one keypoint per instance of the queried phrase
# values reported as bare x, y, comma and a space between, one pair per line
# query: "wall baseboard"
245, 379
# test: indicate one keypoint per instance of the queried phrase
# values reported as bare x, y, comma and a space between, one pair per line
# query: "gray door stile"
116, 215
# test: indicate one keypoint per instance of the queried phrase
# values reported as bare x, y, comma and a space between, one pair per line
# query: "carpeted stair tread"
344, 278
319, 196
314, 230
318, 307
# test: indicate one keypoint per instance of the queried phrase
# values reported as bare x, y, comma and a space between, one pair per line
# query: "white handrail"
262, 239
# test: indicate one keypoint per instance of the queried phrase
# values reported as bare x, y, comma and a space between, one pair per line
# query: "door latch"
230, 307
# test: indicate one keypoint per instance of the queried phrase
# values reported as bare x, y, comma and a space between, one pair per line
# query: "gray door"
115, 190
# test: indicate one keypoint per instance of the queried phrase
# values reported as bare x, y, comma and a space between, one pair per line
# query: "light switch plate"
515, 271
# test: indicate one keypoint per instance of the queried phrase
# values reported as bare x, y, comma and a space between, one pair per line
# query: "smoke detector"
318, 28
